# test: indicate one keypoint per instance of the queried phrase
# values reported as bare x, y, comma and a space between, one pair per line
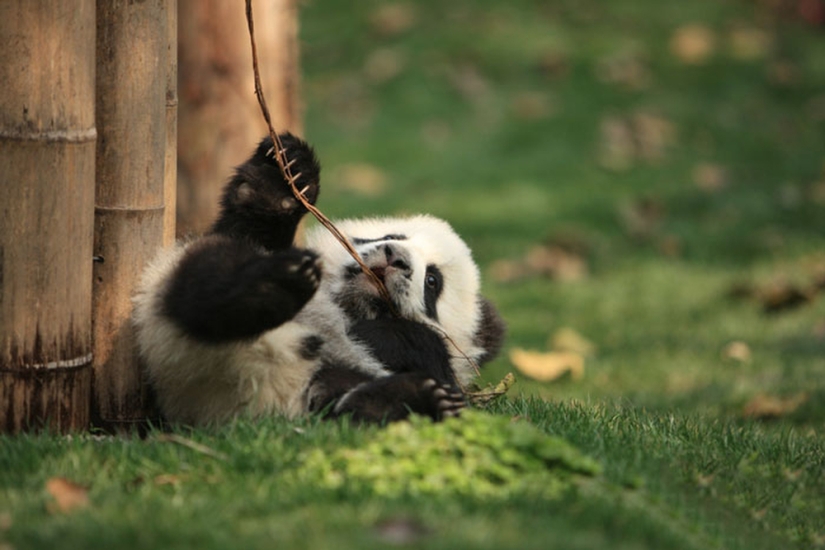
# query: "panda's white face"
427, 269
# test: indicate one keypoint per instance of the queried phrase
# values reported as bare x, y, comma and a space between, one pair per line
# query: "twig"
279, 153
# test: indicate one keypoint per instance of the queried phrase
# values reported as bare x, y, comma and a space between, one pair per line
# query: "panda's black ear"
490, 331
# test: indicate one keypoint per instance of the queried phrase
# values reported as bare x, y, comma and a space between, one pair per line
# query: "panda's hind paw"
448, 401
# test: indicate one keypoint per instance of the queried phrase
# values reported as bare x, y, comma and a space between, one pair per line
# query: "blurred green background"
646, 175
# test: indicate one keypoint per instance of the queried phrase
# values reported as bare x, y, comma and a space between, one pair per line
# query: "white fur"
199, 383
430, 241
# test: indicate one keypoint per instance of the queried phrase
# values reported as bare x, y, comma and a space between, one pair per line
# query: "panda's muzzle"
397, 259
382, 261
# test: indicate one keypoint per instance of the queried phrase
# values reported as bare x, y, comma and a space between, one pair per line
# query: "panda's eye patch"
433, 284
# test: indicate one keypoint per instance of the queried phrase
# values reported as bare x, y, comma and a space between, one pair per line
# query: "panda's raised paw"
301, 163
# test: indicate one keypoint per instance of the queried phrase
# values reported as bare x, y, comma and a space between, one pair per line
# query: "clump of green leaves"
477, 455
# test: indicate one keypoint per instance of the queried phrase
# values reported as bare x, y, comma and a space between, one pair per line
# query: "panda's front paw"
306, 266
302, 164
296, 273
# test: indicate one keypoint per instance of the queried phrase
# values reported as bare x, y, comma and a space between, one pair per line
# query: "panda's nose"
396, 258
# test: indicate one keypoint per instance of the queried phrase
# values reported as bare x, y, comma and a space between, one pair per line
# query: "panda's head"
429, 273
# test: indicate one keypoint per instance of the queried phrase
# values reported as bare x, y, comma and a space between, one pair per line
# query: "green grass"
492, 117
668, 481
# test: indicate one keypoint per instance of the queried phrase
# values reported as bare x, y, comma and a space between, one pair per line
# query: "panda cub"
240, 321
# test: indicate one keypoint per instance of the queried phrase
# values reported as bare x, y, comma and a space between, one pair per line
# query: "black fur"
258, 205
246, 278
423, 381
330, 383
433, 285
225, 289
406, 346
394, 397
490, 332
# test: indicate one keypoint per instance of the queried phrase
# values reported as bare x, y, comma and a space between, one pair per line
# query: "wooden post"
132, 65
220, 121
47, 152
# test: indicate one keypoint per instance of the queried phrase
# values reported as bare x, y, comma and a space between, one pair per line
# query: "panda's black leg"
225, 290
259, 205
394, 397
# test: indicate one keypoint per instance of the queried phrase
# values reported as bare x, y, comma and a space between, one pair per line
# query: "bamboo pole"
132, 120
219, 118
170, 184
47, 148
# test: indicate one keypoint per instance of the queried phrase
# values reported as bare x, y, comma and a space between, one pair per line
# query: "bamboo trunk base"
54, 399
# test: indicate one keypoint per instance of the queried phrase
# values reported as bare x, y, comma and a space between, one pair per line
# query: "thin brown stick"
279, 153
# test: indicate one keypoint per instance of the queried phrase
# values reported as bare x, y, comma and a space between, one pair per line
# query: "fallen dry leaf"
567, 339
781, 295
783, 73
738, 351
617, 145
765, 407
654, 135
67, 495
481, 396
704, 481
551, 261
642, 218
391, 19
818, 330
554, 64
709, 177
624, 69
693, 44
750, 43
547, 366
383, 64
507, 271
468, 81
532, 106
556, 263
642, 136
669, 246
167, 479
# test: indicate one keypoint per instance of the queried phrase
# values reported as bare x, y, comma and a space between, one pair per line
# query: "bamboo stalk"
219, 121
132, 108
170, 183
47, 138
